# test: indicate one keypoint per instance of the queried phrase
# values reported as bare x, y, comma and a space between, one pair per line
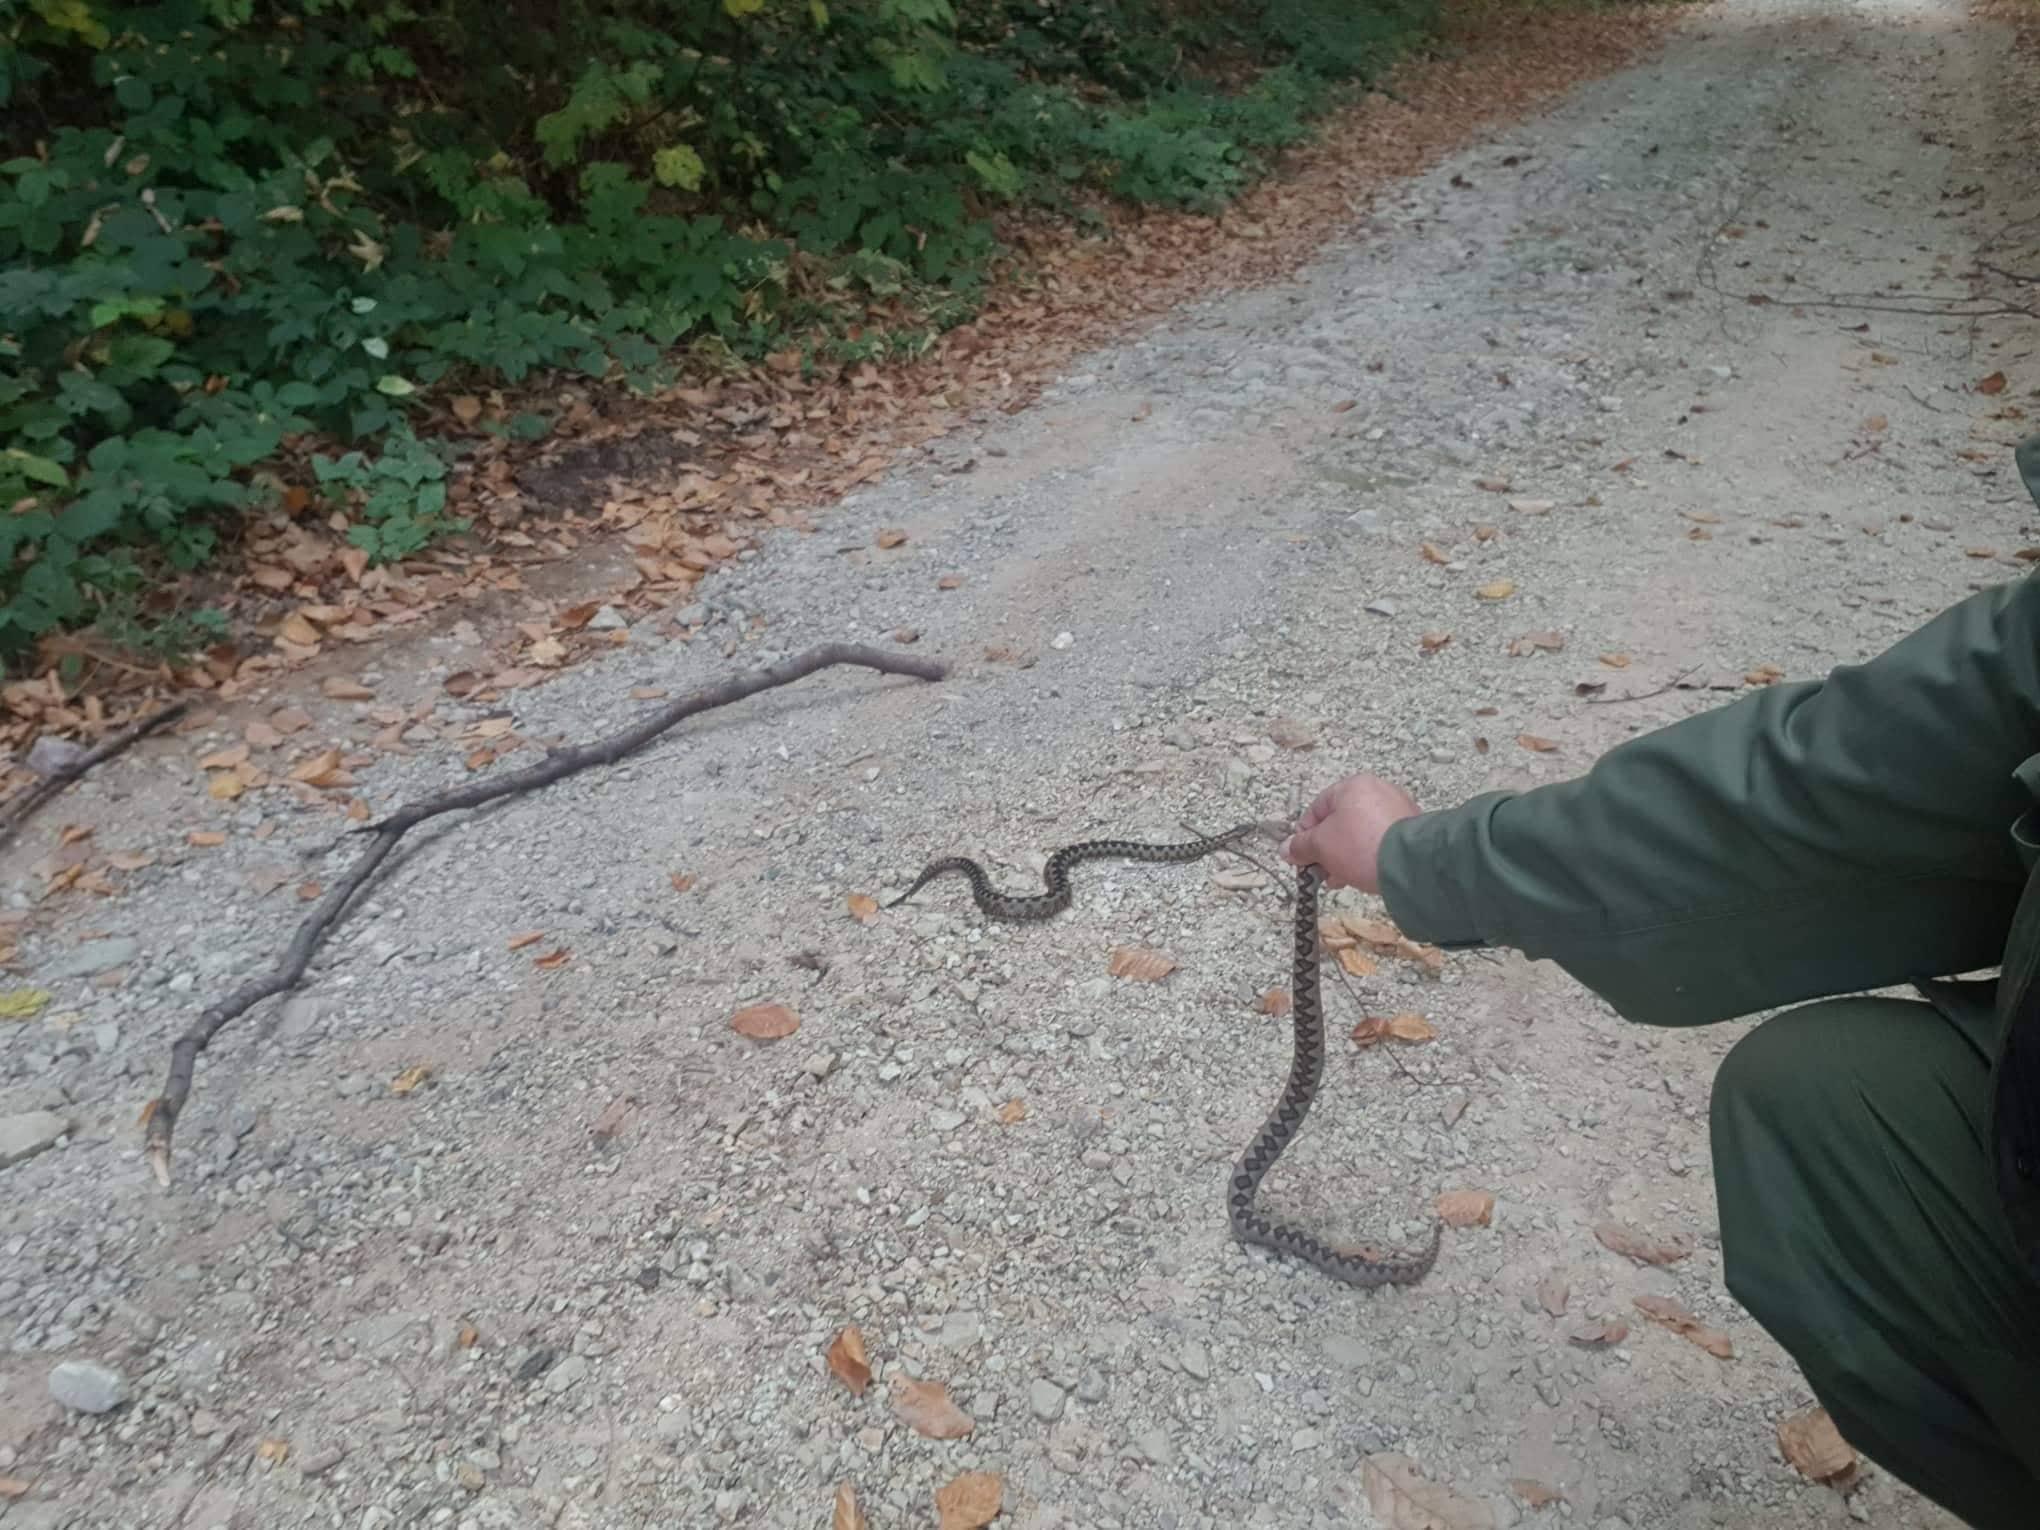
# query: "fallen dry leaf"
926, 1408
1995, 383
466, 408
290, 720
1535, 744
1535, 1494
1615, 660
1535, 642
1980, 552
891, 537
223, 786
949, 582
1403, 1500
1012, 1113
547, 651
1628, 1241
272, 1450
969, 1502
1275, 1001
1466, 1208
1815, 1448
468, 1336
552, 961
1599, 1333
846, 1515
681, 882
1403, 1027
1432, 554
528, 938
14, 1487
1662, 1309
130, 860
205, 839
224, 759
863, 907
1431, 642
848, 1362
647, 693
340, 688
410, 1078
1143, 966
1355, 962
296, 629
1533, 506
1553, 1292
765, 1022
321, 770
309, 891
1497, 589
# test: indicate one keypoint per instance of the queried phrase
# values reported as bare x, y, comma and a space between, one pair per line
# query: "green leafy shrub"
241, 242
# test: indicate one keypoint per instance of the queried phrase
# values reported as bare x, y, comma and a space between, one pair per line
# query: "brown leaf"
547, 651
576, 617
1764, 674
261, 735
1344, 404
1466, 1208
1486, 533
1876, 424
224, 786
1995, 383
479, 759
1535, 1494
1535, 642
1615, 660
891, 537
1402, 1499
1662, 1309
463, 683
466, 408
765, 1022
297, 630
648, 693
1492, 485
1815, 1448
681, 882
340, 688
1432, 554
863, 907
528, 938
848, 1361
552, 961
1143, 966
468, 1336
289, 720
1431, 642
969, 1502
1275, 1001
1292, 735
410, 1078
949, 582
1496, 589
846, 1515
320, 770
1633, 1244
309, 891
1599, 1333
225, 759
1553, 1292
272, 1450
1356, 962
1403, 1027
926, 1408
130, 860
1535, 744
1980, 552
1012, 1113
1704, 517
205, 839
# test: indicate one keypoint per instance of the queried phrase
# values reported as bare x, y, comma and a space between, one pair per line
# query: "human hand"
1341, 832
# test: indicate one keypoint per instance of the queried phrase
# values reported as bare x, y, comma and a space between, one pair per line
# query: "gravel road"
586, 1273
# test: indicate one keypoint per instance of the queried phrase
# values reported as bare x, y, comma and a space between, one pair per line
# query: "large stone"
88, 1386
26, 1135
92, 958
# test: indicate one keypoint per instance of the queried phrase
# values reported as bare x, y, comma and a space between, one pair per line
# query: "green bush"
241, 242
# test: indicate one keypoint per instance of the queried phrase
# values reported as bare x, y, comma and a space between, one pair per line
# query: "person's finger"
1301, 848
1318, 811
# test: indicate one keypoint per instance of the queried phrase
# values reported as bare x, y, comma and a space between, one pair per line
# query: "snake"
1248, 1224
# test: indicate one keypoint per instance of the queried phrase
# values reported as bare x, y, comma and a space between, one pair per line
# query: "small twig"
1925, 403
1269, 827
2010, 276
1609, 701
24, 806
160, 1115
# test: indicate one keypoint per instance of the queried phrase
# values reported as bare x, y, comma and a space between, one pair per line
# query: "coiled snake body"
1306, 1070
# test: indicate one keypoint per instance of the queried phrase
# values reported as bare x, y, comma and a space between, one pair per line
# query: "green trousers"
1860, 1226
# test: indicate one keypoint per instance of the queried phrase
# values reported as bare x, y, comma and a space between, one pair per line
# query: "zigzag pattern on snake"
1306, 1070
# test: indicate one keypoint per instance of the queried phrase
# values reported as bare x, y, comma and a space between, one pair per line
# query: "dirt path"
467, 1306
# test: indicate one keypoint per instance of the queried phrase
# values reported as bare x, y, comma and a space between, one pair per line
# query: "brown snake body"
1306, 1071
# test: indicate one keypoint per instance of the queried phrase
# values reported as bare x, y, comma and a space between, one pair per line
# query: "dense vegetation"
235, 235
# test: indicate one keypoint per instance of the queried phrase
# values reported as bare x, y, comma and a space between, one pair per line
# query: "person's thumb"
1301, 848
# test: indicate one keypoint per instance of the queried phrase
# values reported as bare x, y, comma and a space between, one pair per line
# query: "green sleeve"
1810, 839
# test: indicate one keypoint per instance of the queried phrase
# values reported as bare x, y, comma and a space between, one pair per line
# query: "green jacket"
1878, 827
